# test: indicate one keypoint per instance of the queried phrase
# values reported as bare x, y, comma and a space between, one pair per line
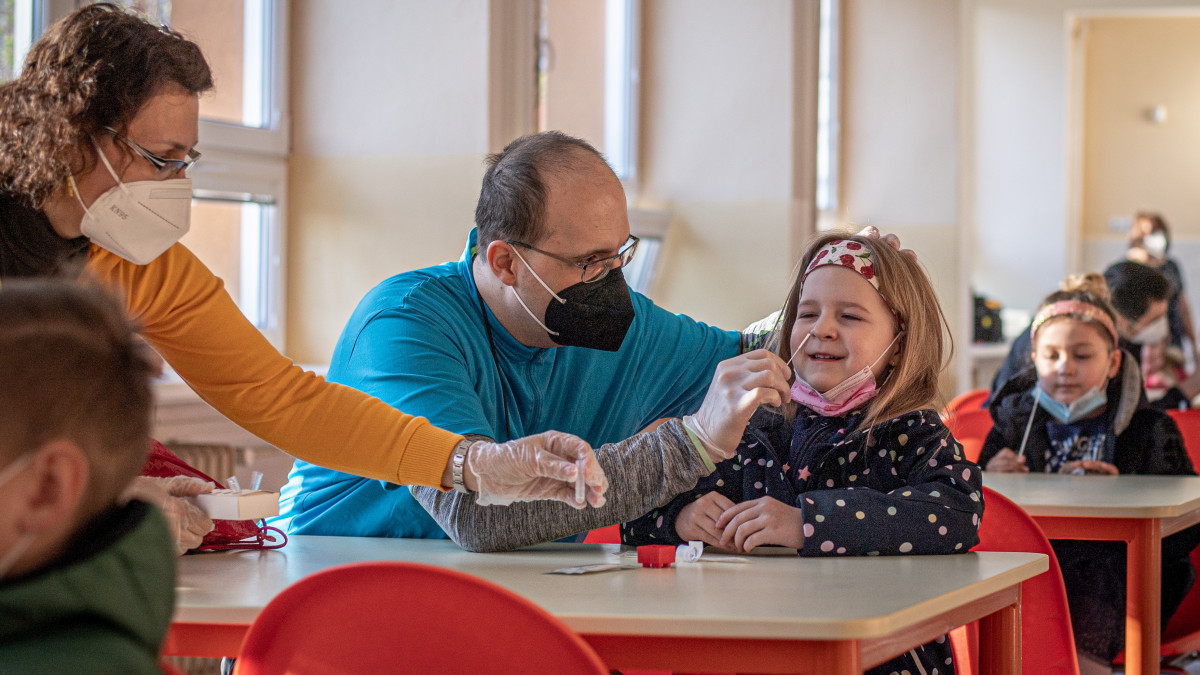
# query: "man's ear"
1114, 365
503, 262
58, 478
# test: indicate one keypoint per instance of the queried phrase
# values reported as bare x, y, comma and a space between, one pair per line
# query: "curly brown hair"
95, 68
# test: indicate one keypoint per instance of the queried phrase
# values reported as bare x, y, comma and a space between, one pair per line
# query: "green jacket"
103, 607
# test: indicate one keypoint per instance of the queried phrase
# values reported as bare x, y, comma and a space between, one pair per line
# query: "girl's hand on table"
698, 520
761, 522
1089, 467
1006, 461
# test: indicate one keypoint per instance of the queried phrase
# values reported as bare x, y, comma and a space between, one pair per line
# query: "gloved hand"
186, 521
739, 386
543, 466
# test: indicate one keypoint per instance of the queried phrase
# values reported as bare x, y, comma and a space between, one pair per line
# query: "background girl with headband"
858, 462
1081, 409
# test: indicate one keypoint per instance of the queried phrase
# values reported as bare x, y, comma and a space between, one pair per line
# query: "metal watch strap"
458, 462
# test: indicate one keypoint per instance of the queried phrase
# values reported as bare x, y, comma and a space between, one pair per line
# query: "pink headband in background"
1077, 309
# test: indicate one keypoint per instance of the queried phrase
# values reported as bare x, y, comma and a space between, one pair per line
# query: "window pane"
16, 35
229, 237
232, 35
587, 74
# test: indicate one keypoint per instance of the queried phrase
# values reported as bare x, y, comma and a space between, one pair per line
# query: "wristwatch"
458, 461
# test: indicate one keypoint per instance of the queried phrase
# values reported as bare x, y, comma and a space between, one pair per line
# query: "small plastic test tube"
580, 485
256, 480
232, 483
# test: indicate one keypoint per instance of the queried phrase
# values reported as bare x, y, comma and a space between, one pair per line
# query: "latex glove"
186, 521
543, 466
739, 386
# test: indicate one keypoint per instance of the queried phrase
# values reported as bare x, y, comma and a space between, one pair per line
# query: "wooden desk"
1139, 510
774, 614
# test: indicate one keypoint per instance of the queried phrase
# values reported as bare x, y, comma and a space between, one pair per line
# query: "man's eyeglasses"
164, 168
593, 270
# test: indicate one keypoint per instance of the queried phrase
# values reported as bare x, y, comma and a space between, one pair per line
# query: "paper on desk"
592, 569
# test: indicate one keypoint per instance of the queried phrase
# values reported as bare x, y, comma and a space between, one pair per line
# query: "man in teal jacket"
532, 329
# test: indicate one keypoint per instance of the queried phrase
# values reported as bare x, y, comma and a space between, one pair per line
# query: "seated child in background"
1080, 408
854, 468
86, 582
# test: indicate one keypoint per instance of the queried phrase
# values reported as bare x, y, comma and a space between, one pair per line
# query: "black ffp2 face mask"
594, 315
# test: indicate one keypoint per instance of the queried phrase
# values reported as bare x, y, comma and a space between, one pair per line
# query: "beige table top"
1126, 496
772, 597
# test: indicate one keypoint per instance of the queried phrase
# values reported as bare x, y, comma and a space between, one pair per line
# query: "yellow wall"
1130, 162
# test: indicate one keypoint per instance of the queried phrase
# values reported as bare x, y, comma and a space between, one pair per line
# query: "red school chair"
1047, 643
379, 617
970, 428
1188, 422
968, 400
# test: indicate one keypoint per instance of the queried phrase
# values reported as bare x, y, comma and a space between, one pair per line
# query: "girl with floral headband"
858, 462
1080, 408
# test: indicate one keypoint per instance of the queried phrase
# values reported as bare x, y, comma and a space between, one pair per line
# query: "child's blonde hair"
1090, 289
922, 351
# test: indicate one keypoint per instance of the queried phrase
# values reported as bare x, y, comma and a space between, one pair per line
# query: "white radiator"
216, 460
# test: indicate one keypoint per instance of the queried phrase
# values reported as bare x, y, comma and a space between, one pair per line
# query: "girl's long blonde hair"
924, 349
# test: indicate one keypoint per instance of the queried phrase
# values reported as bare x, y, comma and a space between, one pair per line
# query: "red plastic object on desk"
656, 556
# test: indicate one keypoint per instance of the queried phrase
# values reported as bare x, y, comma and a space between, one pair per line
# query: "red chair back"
1188, 422
970, 428
968, 400
604, 535
379, 617
1047, 643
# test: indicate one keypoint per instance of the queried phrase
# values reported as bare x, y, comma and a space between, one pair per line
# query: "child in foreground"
1080, 408
849, 466
86, 578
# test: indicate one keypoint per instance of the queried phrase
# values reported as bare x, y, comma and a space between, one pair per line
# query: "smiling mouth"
824, 357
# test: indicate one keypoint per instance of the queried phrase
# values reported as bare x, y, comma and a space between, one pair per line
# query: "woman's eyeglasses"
163, 167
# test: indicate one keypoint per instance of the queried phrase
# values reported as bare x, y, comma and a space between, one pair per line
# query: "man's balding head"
512, 201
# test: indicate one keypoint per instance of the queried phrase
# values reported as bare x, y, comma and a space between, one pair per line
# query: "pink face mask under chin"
843, 397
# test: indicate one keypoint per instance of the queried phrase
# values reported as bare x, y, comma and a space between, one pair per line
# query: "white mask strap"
108, 166
531, 314
9, 559
561, 301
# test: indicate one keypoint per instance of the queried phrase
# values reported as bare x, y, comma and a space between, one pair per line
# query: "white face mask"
139, 220
1155, 244
1156, 331
10, 557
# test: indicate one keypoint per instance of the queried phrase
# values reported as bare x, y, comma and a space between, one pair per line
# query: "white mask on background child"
138, 220
843, 397
9, 559
1155, 244
1156, 331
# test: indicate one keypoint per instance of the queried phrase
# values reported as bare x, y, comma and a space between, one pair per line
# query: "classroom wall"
1018, 138
389, 131
717, 135
900, 149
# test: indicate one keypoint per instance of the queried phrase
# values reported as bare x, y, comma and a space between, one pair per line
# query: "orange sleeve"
189, 318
